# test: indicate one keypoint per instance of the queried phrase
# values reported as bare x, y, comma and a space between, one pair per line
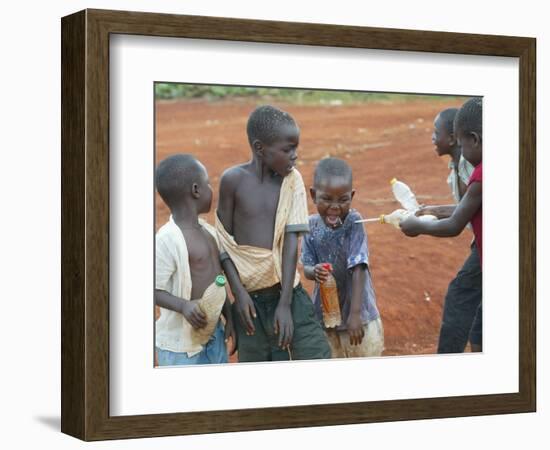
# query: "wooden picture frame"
85, 224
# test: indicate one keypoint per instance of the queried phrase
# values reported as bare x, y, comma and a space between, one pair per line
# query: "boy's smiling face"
441, 138
280, 155
332, 197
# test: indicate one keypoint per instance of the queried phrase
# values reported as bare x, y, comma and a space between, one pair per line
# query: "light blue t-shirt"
344, 247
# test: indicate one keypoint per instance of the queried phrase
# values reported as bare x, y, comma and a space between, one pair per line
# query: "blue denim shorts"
214, 352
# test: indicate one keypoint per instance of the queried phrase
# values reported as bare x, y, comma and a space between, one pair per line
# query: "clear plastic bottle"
211, 305
395, 217
330, 303
404, 195
398, 215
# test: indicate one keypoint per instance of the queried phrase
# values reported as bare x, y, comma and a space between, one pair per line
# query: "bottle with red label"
330, 304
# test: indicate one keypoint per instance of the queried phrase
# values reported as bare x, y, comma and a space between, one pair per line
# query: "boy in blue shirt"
335, 238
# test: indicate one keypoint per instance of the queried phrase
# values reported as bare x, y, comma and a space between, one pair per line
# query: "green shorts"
308, 342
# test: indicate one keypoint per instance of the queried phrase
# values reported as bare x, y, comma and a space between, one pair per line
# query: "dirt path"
380, 141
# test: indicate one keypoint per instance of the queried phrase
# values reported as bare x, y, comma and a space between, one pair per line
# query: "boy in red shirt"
468, 131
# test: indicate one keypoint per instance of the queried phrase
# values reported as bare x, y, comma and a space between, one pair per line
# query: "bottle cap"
382, 216
393, 181
220, 280
327, 266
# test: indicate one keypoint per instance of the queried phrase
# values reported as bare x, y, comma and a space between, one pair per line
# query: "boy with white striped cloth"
262, 211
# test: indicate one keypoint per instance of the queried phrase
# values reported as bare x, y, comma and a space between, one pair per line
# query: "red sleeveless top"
477, 219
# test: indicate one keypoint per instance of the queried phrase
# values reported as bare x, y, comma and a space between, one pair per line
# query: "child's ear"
258, 147
312, 193
195, 190
452, 139
476, 138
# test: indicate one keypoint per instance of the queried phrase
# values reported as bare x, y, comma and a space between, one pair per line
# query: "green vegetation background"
171, 91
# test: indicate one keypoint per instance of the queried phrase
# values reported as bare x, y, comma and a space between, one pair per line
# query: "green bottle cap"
220, 280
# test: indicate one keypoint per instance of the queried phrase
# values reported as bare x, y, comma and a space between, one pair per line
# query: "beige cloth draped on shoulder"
173, 275
260, 268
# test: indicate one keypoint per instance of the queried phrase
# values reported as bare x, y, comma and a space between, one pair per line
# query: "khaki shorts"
371, 345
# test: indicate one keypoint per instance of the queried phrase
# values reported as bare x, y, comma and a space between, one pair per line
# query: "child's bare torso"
255, 208
204, 260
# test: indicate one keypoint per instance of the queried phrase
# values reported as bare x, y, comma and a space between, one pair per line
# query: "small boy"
468, 131
335, 238
462, 309
262, 211
187, 267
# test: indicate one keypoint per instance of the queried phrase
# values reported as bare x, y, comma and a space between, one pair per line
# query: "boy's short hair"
175, 175
264, 123
469, 117
447, 117
332, 167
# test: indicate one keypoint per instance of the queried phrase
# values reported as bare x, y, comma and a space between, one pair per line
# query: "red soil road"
380, 141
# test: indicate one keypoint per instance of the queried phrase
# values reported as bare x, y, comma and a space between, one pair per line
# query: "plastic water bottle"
330, 303
404, 195
395, 217
399, 215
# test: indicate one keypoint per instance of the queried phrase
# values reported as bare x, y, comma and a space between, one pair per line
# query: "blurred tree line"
169, 91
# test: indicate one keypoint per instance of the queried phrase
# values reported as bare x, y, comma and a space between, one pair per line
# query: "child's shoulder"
167, 234
165, 229
235, 173
231, 177
350, 226
477, 174
297, 174
314, 220
353, 216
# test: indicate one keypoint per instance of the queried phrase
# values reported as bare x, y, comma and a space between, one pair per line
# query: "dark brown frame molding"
85, 224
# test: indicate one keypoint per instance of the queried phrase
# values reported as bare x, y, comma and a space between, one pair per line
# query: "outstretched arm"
439, 211
452, 226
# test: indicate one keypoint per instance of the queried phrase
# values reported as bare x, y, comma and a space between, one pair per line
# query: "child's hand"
355, 329
193, 314
411, 226
284, 326
230, 334
321, 274
246, 311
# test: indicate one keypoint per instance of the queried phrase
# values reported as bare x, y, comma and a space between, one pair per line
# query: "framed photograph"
140, 87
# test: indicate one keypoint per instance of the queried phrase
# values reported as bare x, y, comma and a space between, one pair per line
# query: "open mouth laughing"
333, 221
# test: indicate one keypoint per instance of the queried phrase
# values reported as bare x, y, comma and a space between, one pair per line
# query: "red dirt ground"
380, 141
